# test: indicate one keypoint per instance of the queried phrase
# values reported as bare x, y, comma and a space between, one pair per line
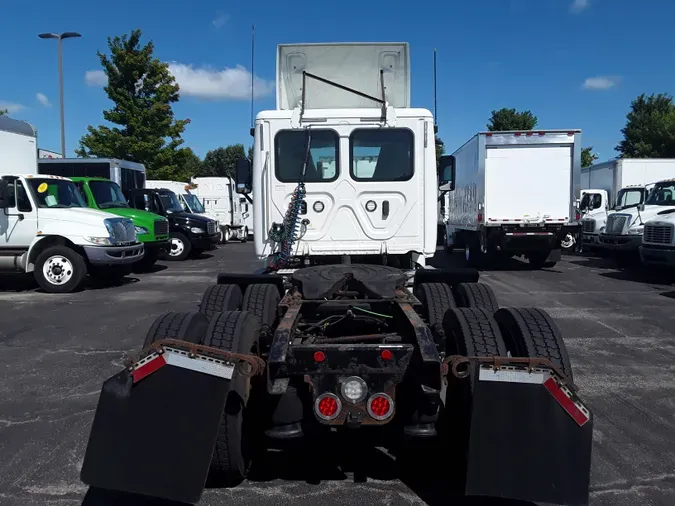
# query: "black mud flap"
156, 436
529, 439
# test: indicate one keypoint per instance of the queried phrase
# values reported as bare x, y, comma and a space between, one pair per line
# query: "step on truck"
513, 194
346, 333
616, 186
46, 227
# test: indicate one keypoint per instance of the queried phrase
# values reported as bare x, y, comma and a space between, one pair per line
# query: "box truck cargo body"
514, 195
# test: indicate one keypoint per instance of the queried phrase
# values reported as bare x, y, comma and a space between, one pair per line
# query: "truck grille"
658, 234
161, 227
588, 225
211, 227
615, 224
122, 231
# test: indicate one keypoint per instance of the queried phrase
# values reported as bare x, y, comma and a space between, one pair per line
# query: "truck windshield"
107, 194
662, 195
193, 202
55, 193
170, 202
629, 198
590, 201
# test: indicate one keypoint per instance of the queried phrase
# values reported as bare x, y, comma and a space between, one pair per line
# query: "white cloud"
601, 82
220, 20
579, 5
11, 107
206, 82
42, 98
95, 78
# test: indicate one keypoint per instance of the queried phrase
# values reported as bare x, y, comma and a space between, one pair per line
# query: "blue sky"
574, 63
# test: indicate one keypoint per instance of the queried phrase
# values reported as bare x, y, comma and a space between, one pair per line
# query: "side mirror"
641, 207
446, 173
243, 176
4, 195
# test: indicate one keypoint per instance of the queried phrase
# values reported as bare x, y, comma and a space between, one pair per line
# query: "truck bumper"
620, 243
114, 255
590, 240
205, 242
655, 255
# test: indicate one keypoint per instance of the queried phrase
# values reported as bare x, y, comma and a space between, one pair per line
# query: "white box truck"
47, 229
616, 185
514, 195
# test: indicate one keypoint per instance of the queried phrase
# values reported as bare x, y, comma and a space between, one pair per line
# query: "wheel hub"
177, 247
58, 270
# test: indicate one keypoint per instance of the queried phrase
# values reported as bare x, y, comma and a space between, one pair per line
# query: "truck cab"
595, 207
152, 230
658, 238
189, 233
47, 229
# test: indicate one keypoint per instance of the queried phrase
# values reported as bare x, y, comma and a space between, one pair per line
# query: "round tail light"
328, 406
380, 406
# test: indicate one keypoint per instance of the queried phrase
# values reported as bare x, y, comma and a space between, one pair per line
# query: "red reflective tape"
148, 368
566, 403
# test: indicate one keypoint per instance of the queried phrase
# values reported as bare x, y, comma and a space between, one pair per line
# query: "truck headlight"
196, 230
99, 241
636, 231
141, 230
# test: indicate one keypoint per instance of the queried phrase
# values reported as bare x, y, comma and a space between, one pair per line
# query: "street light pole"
59, 38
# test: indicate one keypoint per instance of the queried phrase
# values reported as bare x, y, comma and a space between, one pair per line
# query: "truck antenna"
435, 106
252, 73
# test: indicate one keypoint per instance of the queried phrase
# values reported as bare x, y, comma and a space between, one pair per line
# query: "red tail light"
578, 215
480, 216
328, 406
380, 406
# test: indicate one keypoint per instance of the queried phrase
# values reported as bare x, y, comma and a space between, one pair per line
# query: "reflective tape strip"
147, 366
576, 410
508, 375
199, 363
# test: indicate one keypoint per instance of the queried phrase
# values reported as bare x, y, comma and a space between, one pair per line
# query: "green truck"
151, 229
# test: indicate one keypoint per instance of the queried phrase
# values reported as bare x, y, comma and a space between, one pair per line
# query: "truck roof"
374, 113
88, 178
41, 176
17, 126
112, 161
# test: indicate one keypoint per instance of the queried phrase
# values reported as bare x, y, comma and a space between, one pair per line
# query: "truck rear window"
382, 154
290, 147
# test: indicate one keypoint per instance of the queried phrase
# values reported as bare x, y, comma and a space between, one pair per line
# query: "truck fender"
41, 242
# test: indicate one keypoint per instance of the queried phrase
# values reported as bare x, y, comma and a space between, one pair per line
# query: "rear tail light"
328, 406
380, 406
578, 215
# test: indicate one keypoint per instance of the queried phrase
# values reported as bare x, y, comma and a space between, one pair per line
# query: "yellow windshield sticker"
42, 188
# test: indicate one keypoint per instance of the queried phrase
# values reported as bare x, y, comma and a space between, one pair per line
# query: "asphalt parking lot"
56, 350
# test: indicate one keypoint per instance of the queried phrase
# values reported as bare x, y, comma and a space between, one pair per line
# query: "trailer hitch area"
154, 356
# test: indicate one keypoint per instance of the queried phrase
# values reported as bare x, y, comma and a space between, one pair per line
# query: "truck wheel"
473, 332
180, 246
219, 298
244, 236
531, 332
190, 327
262, 300
239, 332
476, 295
60, 269
225, 235
436, 299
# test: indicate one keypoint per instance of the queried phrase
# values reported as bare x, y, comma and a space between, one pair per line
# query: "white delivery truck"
46, 227
616, 185
233, 212
514, 194
128, 175
624, 233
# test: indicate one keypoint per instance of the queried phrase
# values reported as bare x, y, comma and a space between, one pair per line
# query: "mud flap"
530, 439
154, 432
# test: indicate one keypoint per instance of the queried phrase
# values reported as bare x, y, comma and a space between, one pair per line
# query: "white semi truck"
332, 339
616, 185
47, 229
514, 194
232, 211
658, 239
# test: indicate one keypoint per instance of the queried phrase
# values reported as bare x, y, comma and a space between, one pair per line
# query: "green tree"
510, 119
650, 128
222, 162
440, 149
4, 112
142, 89
188, 165
588, 157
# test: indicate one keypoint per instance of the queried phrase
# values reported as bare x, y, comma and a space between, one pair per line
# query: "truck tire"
473, 332
219, 298
244, 235
180, 247
436, 299
477, 295
60, 269
262, 300
532, 333
239, 332
190, 327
